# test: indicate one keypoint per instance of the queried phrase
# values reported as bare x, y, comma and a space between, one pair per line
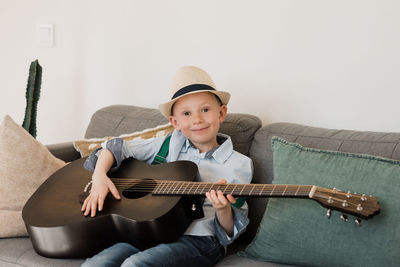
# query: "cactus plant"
32, 97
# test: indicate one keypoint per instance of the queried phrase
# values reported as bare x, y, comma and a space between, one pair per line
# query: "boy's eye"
205, 109
186, 113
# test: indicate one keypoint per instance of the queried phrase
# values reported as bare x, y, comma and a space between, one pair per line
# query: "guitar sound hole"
139, 189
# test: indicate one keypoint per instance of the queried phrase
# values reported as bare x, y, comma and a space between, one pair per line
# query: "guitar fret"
156, 188
273, 189
201, 188
252, 190
233, 189
204, 188
259, 189
298, 188
161, 187
173, 187
219, 188
195, 191
191, 188
179, 186
262, 190
284, 190
187, 185
186, 190
166, 188
241, 191
174, 190
212, 187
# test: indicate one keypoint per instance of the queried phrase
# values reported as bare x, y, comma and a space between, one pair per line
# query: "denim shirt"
218, 163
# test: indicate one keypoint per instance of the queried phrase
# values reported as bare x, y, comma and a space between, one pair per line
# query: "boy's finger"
222, 198
100, 203
212, 196
114, 191
231, 198
222, 181
87, 208
93, 207
84, 204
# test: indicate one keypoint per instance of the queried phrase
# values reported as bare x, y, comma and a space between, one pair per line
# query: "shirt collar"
220, 153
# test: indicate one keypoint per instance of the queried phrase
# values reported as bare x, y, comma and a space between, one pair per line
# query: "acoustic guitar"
155, 206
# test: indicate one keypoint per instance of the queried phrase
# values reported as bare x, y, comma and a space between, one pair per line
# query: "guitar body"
58, 228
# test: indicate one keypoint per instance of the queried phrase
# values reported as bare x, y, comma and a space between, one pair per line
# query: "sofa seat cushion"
296, 231
235, 260
19, 252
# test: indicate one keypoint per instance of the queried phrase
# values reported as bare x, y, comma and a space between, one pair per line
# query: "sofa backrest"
362, 142
123, 119
251, 139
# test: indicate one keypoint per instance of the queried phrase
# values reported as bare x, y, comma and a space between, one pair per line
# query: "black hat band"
192, 88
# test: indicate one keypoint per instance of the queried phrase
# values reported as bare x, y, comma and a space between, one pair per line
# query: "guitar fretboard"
167, 187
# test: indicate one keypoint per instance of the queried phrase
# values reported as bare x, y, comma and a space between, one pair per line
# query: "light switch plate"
46, 35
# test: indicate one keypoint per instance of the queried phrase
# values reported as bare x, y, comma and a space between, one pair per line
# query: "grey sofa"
249, 138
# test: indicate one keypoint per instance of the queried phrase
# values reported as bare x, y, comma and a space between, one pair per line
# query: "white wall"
332, 64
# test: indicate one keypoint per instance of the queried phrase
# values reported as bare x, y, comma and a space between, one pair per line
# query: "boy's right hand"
101, 185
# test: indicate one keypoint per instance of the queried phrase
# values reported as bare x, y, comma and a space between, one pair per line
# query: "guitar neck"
168, 187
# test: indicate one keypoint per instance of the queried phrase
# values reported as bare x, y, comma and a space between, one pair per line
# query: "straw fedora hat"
191, 80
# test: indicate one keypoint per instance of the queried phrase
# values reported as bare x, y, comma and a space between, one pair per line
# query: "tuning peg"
358, 221
329, 213
344, 218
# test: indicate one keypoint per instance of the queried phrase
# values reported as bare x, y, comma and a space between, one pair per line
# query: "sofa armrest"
64, 151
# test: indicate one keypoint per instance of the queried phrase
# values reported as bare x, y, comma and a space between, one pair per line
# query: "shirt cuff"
240, 222
115, 146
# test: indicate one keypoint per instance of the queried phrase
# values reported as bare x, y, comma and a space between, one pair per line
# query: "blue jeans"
186, 251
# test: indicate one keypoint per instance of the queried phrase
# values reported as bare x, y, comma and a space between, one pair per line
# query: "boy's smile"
198, 116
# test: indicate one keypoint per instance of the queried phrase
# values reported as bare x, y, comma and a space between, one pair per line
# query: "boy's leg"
112, 256
186, 251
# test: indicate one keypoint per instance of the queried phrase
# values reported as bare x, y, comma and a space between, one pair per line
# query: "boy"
196, 110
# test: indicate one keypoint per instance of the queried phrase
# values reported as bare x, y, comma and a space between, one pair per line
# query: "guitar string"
144, 183
166, 185
171, 185
149, 186
255, 187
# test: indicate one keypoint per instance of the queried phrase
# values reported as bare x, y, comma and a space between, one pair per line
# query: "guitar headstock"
361, 206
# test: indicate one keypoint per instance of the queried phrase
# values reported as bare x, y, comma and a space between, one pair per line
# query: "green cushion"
297, 231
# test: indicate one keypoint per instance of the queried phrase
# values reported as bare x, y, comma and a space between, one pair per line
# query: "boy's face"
198, 117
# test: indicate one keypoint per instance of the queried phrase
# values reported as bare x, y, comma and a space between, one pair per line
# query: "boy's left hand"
218, 200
